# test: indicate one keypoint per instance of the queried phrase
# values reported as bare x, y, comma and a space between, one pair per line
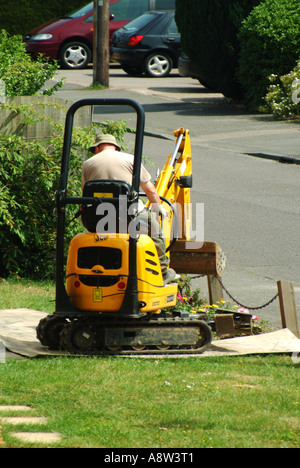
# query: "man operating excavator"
110, 163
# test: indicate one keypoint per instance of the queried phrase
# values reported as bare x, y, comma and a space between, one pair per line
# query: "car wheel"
158, 65
133, 71
75, 55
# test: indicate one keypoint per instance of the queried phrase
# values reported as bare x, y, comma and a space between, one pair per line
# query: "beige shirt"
112, 165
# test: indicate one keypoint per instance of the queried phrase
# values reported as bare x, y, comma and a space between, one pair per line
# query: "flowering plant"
191, 301
188, 299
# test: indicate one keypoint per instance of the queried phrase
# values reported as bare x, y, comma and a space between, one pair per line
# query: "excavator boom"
173, 186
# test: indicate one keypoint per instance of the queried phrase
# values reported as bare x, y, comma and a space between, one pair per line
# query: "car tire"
133, 71
75, 55
158, 65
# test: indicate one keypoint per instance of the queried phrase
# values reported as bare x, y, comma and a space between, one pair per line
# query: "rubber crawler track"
84, 335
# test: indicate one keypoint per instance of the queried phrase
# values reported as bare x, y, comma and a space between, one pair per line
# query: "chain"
237, 302
242, 305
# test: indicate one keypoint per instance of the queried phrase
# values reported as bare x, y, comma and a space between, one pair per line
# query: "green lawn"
20, 293
248, 401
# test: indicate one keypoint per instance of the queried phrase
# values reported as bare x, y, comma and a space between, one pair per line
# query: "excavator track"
100, 335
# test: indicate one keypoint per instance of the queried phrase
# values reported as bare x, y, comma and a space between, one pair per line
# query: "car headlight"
41, 37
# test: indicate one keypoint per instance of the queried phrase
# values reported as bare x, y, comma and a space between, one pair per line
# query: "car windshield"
81, 11
140, 22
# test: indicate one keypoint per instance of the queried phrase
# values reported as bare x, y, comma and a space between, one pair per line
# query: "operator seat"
108, 192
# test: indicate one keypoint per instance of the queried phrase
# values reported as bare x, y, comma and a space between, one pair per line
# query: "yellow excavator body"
98, 269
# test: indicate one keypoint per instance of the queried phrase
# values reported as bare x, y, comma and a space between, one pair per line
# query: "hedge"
22, 76
270, 44
20, 16
29, 178
209, 30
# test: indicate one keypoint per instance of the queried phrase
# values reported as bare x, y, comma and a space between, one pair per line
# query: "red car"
70, 39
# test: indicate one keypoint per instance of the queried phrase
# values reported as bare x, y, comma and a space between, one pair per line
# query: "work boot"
170, 275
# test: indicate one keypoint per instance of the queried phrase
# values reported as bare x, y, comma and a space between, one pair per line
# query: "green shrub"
21, 75
29, 178
270, 44
283, 97
209, 30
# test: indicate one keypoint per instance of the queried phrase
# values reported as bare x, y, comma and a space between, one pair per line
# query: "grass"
19, 293
96, 86
247, 401
170, 403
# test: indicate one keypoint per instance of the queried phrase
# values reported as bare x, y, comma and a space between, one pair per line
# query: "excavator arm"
173, 186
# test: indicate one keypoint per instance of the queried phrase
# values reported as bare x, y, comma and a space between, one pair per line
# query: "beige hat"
108, 139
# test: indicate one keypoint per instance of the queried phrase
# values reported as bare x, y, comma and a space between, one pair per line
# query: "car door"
171, 38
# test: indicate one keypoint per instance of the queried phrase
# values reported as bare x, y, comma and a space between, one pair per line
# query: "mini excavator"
110, 295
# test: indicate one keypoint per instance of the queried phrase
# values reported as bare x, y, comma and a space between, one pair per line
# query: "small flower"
255, 318
243, 310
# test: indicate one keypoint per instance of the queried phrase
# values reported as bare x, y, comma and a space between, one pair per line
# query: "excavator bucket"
205, 258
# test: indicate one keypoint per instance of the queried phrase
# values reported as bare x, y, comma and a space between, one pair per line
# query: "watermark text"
2, 352
2, 91
296, 358
185, 222
296, 92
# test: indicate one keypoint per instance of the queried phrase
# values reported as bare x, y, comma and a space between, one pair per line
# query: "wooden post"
101, 43
288, 307
215, 289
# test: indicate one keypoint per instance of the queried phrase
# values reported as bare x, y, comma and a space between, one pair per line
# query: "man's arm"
152, 194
